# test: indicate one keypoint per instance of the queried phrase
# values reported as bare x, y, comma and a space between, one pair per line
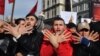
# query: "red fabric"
46, 49
11, 1
96, 12
2, 7
33, 10
64, 49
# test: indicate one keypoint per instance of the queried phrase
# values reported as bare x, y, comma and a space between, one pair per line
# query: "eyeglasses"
86, 30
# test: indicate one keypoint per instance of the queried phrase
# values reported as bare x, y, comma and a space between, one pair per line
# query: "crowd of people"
24, 39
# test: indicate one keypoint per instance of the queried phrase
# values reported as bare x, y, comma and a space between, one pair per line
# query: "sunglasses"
86, 30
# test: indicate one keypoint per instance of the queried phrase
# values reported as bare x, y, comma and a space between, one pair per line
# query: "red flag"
11, 1
2, 7
34, 9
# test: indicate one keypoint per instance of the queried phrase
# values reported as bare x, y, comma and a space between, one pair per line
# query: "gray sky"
22, 8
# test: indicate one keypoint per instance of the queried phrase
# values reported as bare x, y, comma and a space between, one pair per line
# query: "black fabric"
92, 50
95, 26
27, 44
80, 50
71, 25
2, 53
11, 48
30, 43
6, 47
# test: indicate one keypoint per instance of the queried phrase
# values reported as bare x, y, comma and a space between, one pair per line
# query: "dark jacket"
7, 46
30, 43
92, 50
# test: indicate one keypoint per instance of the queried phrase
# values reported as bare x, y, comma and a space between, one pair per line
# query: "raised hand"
11, 30
93, 36
65, 36
77, 39
52, 38
56, 38
25, 29
17, 30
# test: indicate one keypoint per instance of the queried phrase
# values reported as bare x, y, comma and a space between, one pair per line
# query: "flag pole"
71, 5
12, 14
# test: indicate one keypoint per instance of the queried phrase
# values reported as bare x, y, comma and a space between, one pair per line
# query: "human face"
31, 21
19, 54
22, 22
84, 32
58, 26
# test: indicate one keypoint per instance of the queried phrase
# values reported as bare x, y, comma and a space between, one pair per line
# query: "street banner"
67, 16
96, 10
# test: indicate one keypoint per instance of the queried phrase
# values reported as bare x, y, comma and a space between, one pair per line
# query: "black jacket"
92, 50
7, 46
30, 43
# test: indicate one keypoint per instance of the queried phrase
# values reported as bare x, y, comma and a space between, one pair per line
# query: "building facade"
52, 8
83, 8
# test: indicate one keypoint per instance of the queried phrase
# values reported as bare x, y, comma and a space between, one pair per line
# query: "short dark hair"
17, 21
71, 25
57, 19
32, 15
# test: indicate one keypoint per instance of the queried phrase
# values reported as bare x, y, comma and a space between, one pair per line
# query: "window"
47, 14
80, 0
75, 9
52, 13
81, 7
55, 12
47, 3
55, 1
86, 7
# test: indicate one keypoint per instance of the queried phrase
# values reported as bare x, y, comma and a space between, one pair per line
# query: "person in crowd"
7, 44
27, 37
2, 53
20, 21
86, 41
57, 41
72, 27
